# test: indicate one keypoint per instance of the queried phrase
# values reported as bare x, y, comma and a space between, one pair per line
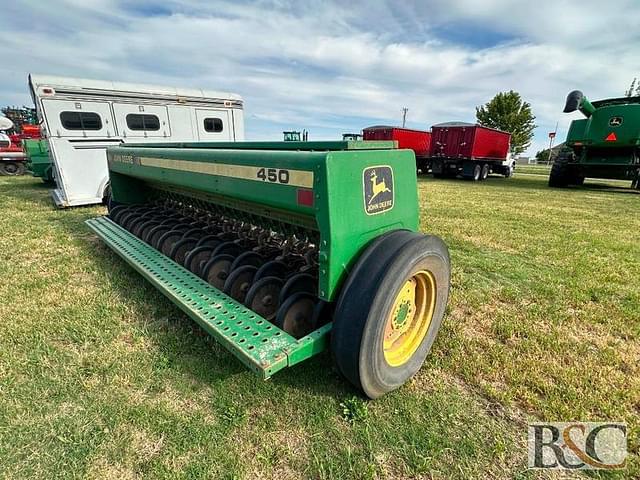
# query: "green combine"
282, 250
605, 144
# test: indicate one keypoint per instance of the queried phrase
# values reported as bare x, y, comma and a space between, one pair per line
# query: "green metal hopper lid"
303, 146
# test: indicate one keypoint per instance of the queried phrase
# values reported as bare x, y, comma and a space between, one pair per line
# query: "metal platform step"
258, 344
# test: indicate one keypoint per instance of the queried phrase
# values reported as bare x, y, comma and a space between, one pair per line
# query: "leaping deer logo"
377, 187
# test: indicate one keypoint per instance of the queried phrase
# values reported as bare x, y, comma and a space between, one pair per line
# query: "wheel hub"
409, 318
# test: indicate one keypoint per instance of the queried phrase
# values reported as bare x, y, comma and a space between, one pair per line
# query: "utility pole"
404, 116
552, 136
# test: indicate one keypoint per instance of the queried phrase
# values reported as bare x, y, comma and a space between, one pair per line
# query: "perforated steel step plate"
261, 346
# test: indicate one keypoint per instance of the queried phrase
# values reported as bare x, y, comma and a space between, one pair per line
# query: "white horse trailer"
81, 118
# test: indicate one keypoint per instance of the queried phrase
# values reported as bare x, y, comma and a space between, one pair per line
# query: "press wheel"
300, 282
295, 315
263, 296
197, 258
154, 235
273, 268
209, 241
248, 258
181, 248
239, 281
144, 228
229, 248
168, 240
216, 270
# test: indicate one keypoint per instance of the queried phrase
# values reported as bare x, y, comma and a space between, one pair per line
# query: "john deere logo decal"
615, 121
378, 189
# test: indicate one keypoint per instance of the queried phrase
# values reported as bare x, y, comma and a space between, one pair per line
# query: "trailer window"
212, 125
81, 121
140, 121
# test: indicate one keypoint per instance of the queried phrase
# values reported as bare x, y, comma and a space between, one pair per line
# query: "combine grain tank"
281, 250
470, 150
604, 144
417, 140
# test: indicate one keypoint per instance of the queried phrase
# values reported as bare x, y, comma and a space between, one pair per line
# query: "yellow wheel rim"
409, 318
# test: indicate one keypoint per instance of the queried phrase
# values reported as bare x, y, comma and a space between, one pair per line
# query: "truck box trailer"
81, 118
470, 150
417, 140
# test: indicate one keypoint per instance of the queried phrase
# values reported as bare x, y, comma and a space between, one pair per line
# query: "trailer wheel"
11, 169
476, 174
485, 172
389, 311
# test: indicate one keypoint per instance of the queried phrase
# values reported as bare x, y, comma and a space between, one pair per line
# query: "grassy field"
534, 169
101, 377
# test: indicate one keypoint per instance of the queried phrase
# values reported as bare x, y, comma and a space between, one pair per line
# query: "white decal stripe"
297, 178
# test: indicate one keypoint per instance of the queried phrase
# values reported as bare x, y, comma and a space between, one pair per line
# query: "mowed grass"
102, 377
533, 169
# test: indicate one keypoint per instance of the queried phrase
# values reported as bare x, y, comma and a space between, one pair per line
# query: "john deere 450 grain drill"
605, 144
281, 250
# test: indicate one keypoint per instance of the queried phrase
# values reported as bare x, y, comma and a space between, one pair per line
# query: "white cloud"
330, 68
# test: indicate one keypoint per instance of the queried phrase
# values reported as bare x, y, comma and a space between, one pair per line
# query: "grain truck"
417, 140
469, 150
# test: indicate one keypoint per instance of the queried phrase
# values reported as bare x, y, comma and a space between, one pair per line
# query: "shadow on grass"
533, 182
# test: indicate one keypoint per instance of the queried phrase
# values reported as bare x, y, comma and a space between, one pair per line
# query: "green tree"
543, 156
508, 112
634, 88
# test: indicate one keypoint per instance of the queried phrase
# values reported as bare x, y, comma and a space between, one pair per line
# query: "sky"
334, 67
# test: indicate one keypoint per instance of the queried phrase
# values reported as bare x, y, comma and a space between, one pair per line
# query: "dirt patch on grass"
124, 453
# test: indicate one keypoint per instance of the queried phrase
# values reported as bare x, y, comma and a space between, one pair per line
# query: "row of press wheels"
276, 278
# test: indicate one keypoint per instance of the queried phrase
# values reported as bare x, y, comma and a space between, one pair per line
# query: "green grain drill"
282, 250
605, 144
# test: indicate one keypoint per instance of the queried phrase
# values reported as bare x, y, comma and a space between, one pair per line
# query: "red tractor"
12, 157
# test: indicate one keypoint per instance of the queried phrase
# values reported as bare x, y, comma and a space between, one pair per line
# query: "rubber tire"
485, 172
477, 173
366, 298
381, 249
561, 175
10, 172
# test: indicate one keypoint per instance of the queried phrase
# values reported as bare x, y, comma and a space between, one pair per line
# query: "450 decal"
274, 175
